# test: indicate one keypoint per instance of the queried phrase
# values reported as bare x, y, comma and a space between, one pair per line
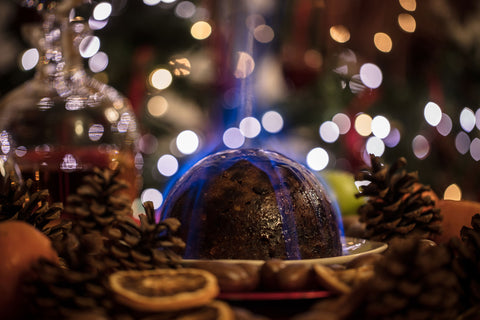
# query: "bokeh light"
233, 138
157, 106
393, 138
97, 24
313, 59
19, 151
152, 195
95, 132
125, 122
375, 146
420, 147
148, 143
139, 161
272, 121
160, 79
98, 62
181, 66
329, 131
462, 142
5, 141
445, 125
201, 30
475, 149
317, 159
89, 46
185, 9
187, 142
432, 113
343, 122
151, 2
111, 114
46, 103
340, 33
380, 127
245, 65
102, 11
407, 22
69, 163
263, 33
74, 103
409, 5
371, 75
355, 84
250, 127
363, 124
383, 42
477, 118
29, 59
78, 127
452, 192
167, 165
467, 119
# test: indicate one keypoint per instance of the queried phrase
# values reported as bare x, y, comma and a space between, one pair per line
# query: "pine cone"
150, 245
89, 256
54, 292
413, 281
467, 261
96, 202
23, 201
397, 204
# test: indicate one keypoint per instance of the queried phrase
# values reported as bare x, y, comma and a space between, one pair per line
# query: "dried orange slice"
216, 309
164, 289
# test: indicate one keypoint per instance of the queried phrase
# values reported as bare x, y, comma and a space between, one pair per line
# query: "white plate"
352, 248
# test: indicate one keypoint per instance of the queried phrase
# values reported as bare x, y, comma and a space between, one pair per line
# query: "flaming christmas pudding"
253, 204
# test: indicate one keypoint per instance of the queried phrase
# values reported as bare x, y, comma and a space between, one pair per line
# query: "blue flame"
287, 178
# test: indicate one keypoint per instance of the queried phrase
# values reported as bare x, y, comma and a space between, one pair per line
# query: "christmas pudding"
253, 204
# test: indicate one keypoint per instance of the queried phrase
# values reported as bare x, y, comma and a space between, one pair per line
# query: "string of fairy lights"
377, 130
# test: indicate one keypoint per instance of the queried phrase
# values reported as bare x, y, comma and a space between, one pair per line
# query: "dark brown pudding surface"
253, 204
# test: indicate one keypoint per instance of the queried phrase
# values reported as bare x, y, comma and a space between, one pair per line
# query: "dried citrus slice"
216, 309
164, 289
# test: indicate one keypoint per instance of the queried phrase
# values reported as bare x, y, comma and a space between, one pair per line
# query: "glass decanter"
62, 123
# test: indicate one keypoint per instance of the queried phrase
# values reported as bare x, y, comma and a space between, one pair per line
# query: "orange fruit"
164, 289
21, 245
456, 214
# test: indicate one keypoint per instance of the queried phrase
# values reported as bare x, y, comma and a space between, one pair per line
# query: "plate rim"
275, 295
378, 247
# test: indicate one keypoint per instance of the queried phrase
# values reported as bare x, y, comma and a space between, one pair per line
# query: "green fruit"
343, 189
